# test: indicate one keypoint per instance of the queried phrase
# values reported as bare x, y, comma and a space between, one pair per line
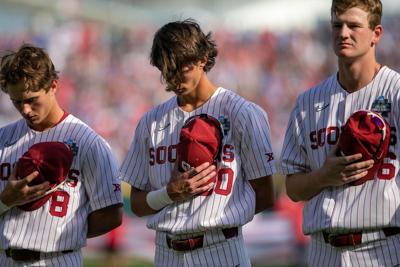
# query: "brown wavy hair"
178, 44
373, 7
29, 64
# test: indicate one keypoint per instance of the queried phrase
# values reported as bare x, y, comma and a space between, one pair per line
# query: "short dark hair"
29, 64
373, 7
178, 44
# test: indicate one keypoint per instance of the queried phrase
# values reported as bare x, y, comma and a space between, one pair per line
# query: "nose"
25, 109
343, 31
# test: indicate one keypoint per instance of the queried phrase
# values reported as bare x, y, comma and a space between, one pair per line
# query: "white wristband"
158, 199
3, 208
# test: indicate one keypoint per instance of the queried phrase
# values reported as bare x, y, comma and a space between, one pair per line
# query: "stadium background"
269, 52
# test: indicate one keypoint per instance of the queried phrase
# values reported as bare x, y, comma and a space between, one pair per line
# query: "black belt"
197, 242
28, 255
355, 238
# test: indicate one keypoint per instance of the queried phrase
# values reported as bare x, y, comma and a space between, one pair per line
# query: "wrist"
158, 199
4, 198
320, 179
3, 207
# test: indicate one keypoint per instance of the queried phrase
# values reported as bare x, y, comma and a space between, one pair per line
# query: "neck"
52, 119
356, 75
198, 97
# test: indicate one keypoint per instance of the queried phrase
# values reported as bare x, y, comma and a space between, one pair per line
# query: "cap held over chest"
368, 133
52, 160
200, 141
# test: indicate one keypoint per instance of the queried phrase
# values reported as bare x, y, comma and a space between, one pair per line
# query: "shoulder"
387, 73
239, 109
80, 133
10, 133
231, 102
318, 92
228, 96
157, 113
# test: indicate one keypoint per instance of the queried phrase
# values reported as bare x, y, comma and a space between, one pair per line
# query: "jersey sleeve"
256, 150
101, 176
135, 167
294, 155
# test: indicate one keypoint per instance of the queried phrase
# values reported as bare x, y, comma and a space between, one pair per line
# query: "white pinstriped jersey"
313, 130
93, 183
246, 155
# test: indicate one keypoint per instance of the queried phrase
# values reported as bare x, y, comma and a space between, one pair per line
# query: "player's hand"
18, 192
185, 185
340, 170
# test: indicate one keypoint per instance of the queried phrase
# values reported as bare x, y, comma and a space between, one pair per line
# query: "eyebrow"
23, 100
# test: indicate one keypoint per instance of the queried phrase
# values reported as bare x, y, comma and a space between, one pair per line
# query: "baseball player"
198, 222
88, 204
350, 225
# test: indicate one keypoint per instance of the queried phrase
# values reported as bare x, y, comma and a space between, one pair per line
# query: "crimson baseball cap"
368, 133
200, 141
52, 160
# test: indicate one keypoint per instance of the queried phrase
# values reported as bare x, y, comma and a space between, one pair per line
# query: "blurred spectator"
293, 211
107, 80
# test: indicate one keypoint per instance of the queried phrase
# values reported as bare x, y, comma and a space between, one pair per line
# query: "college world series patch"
382, 106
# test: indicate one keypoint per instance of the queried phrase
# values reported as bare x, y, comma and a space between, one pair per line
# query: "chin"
341, 54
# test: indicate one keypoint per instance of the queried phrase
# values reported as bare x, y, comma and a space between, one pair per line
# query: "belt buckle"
331, 238
11, 253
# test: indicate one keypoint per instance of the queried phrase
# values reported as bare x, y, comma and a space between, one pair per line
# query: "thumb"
13, 175
334, 152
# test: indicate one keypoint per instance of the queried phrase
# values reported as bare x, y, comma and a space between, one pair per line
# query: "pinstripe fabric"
152, 154
151, 159
217, 251
313, 130
383, 252
61, 224
73, 259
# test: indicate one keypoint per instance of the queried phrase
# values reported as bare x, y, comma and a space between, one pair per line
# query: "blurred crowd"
107, 81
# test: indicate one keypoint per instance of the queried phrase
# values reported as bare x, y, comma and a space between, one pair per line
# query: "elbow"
118, 221
293, 196
292, 191
139, 212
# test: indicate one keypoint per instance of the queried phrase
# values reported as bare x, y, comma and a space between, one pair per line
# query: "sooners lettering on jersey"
232, 201
314, 129
92, 182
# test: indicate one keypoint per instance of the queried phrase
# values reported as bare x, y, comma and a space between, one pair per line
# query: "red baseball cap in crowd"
52, 160
368, 133
200, 141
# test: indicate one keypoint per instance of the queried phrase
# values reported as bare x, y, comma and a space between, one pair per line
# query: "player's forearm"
264, 189
104, 220
139, 205
304, 186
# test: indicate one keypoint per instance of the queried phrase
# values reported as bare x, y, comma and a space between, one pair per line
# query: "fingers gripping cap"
368, 133
52, 160
200, 141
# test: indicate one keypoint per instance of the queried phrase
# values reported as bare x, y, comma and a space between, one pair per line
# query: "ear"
53, 87
377, 33
203, 61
